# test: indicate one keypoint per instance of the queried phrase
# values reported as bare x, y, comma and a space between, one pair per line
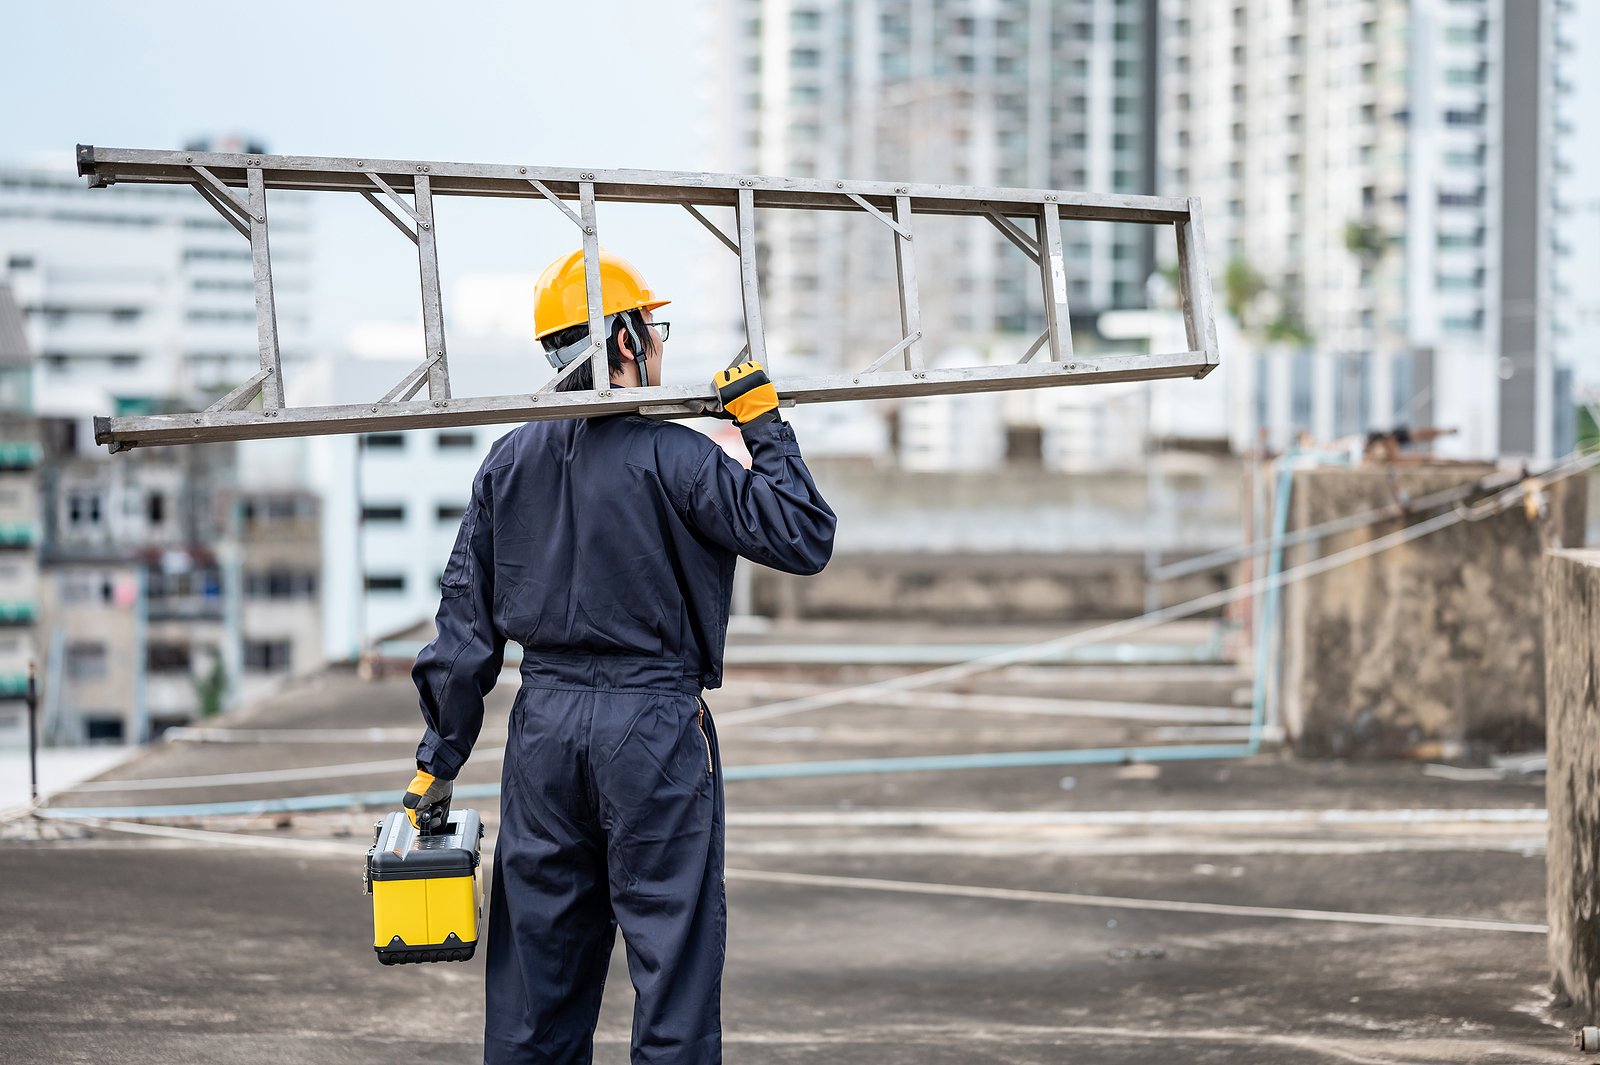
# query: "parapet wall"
1433, 648
1572, 780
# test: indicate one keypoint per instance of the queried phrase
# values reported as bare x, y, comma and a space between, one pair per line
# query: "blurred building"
1032, 93
19, 521
1377, 179
137, 292
167, 592
394, 501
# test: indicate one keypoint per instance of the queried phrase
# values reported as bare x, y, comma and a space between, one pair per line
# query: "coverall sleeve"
771, 513
462, 664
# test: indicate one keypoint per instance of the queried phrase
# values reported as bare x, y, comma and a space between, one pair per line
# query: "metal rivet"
261, 218
255, 162
427, 225
840, 185
1051, 196
188, 158
197, 421
361, 162
588, 231
419, 169
374, 410
857, 380
901, 188
522, 170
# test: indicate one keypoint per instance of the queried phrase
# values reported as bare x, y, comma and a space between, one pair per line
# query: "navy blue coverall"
606, 548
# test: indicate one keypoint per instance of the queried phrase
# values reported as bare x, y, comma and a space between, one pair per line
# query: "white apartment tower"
1377, 178
1035, 93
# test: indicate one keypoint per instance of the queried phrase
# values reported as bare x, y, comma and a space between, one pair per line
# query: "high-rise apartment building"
134, 293
1036, 93
1377, 178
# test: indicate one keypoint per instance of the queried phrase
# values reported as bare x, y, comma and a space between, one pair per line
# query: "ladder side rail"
494, 410
1194, 288
1053, 279
749, 284
266, 303
432, 299
103, 165
905, 268
599, 363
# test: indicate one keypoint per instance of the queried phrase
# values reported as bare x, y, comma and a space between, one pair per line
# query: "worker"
606, 547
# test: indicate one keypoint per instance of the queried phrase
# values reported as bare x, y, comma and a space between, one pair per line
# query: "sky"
605, 83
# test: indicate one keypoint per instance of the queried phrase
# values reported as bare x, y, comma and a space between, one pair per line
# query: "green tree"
212, 688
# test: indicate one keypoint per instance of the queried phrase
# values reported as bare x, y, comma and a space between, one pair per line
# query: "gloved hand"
746, 392
427, 802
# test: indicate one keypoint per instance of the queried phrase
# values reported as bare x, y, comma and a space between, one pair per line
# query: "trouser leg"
661, 795
550, 923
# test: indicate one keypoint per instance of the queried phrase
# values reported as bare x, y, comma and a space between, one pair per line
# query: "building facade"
1030, 93
1377, 179
19, 522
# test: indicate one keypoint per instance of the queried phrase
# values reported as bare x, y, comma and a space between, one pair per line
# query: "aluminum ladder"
404, 191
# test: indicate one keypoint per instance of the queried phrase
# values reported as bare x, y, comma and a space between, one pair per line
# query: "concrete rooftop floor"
981, 915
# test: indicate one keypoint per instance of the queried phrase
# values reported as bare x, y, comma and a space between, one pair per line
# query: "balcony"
19, 454
18, 612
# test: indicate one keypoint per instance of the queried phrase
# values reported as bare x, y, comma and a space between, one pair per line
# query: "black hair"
582, 379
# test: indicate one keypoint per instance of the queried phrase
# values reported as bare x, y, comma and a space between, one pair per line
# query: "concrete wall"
1430, 649
1572, 780
966, 588
1022, 544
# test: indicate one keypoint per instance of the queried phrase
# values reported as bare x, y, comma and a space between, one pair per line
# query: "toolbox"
427, 898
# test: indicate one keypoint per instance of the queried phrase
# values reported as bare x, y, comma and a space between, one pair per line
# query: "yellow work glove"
746, 392
427, 802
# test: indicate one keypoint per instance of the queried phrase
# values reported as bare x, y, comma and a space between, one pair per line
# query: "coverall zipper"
700, 723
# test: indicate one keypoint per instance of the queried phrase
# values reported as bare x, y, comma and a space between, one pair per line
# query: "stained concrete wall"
1430, 649
1019, 544
1572, 779
967, 588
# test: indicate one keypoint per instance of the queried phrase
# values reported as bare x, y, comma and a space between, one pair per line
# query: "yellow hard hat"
561, 301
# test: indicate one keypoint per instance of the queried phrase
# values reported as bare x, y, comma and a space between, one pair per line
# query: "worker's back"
618, 535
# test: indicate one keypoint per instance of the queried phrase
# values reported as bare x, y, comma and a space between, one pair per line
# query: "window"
83, 508
384, 441
156, 508
266, 656
1454, 117
102, 729
805, 58
280, 584
168, 657
449, 513
86, 660
386, 582
20, 262
384, 512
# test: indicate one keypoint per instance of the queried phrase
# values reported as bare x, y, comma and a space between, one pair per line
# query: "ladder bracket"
400, 201
904, 233
716, 230
1014, 234
241, 397
223, 208
905, 342
411, 383
553, 198
384, 210
1033, 349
